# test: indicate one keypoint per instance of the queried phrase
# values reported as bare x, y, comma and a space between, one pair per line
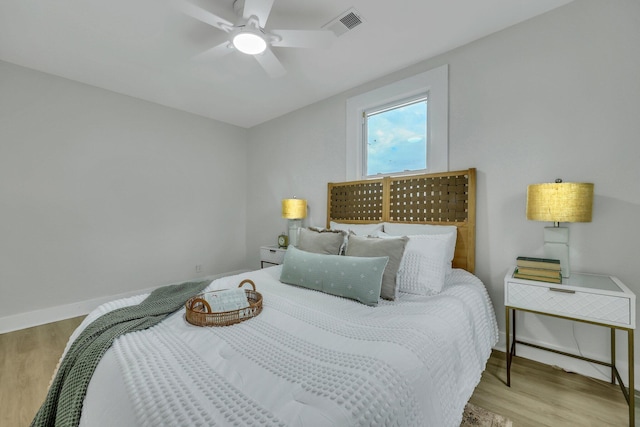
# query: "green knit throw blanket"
63, 404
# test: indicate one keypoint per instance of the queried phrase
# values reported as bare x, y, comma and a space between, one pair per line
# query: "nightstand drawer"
272, 254
566, 301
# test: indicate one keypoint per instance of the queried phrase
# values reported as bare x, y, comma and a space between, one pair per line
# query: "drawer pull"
566, 291
273, 251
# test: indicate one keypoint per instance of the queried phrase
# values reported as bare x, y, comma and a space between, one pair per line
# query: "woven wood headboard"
447, 198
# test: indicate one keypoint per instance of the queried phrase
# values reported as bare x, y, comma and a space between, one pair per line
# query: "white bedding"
308, 359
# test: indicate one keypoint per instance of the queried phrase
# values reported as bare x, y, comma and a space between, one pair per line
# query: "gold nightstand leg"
508, 328
632, 392
513, 328
613, 356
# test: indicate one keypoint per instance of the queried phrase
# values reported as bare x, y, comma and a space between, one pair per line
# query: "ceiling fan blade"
303, 38
271, 64
202, 15
215, 52
258, 8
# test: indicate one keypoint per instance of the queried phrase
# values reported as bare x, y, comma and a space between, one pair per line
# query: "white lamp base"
556, 246
294, 228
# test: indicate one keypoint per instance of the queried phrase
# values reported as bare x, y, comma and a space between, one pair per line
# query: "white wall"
293, 156
103, 194
554, 97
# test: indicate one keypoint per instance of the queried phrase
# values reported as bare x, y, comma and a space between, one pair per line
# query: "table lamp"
559, 202
294, 210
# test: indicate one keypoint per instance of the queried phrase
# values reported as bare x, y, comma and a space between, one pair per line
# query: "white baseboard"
80, 308
570, 364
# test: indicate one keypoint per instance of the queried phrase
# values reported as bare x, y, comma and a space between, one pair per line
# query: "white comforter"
308, 359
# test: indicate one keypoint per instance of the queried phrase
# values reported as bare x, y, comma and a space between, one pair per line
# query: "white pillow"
357, 229
424, 265
451, 231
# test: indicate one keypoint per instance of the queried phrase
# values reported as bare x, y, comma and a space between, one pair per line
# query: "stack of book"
541, 269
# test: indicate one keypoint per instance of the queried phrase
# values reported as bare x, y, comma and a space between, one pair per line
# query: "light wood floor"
540, 395
27, 361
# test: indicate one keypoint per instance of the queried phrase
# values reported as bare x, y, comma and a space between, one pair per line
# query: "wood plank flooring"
540, 395
27, 360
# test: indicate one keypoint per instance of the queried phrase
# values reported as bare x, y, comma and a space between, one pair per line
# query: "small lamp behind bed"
294, 210
559, 202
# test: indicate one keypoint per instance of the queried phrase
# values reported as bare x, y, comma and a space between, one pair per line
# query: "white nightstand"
591, 298
271, 255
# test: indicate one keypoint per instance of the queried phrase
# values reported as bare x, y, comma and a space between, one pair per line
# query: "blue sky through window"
397, 139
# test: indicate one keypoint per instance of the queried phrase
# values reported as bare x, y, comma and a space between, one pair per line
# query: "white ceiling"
146, 48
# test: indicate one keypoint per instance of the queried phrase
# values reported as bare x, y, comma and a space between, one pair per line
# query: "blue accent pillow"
357, 278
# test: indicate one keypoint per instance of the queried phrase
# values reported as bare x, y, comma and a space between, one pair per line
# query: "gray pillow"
356, 278
375, 247
321, 241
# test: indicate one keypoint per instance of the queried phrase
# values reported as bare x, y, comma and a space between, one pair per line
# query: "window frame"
435, 83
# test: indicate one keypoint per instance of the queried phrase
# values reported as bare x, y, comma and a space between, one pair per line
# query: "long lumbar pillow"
357, 278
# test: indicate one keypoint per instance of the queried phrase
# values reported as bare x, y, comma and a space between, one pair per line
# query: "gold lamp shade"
294, 208
560, 202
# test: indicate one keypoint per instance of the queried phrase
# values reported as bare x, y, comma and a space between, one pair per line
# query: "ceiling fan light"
249, 42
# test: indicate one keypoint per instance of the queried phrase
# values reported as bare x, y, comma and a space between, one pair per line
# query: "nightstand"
591, 298
271, 255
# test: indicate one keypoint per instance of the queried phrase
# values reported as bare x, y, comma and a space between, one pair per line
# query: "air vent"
351, 20
345, 22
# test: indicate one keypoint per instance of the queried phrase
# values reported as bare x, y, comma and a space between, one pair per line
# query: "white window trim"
436, 83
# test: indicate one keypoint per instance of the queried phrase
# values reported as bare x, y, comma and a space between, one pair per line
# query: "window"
395, 137
388, 112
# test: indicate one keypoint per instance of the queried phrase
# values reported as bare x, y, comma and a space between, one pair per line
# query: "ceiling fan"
248, 34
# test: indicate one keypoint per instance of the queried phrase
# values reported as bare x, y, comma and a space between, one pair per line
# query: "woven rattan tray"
199, 312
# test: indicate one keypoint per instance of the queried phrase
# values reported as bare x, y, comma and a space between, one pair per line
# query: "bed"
311, 358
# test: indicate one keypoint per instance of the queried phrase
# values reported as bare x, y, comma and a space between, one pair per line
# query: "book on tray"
540, 269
